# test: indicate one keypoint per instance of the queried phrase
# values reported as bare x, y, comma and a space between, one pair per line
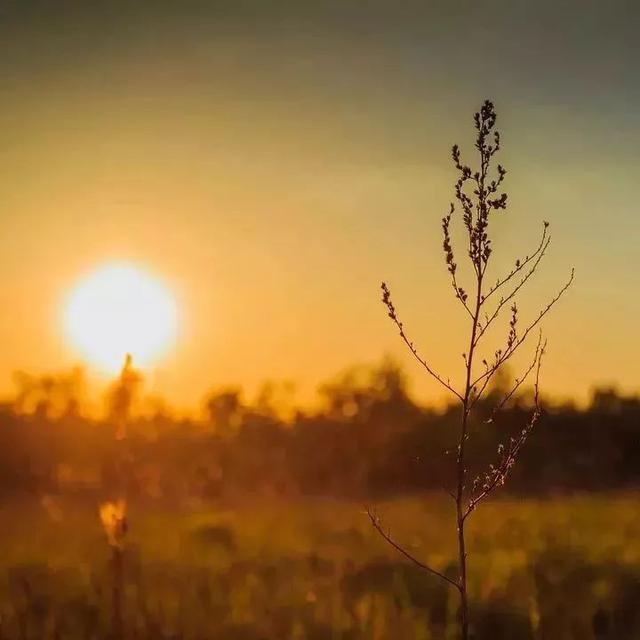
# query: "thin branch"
503, 301
377, 525
518, 383
503, 357
459, 292
496, 475
519, 265
386, 299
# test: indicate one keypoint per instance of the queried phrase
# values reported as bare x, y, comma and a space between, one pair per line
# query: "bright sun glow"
120, 309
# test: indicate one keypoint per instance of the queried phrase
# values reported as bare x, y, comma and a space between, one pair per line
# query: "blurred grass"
566, 567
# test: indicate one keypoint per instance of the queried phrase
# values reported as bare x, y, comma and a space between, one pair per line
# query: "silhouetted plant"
478, 196
113, 514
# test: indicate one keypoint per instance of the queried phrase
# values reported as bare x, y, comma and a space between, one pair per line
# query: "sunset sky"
272, 162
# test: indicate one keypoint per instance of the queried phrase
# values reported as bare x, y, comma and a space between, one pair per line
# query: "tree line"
369, 438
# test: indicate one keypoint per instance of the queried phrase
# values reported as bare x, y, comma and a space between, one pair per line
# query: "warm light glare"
120, 309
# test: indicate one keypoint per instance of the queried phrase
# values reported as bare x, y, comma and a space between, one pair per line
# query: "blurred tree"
225, 411
49, 396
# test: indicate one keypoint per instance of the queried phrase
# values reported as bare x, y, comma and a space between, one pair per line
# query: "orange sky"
272, 169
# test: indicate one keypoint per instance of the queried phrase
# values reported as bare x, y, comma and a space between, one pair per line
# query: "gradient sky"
273, 161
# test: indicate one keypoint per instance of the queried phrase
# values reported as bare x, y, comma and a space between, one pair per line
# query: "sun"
119, 309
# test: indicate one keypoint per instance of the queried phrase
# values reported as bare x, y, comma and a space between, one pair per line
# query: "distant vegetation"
370, 439
244, 525
553, 569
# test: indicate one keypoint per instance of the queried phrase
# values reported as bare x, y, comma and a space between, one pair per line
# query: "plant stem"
117, 589
461, 470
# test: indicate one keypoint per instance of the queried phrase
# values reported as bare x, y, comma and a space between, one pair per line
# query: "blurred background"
217, 189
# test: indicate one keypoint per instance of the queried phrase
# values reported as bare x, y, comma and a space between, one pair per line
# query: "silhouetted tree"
478, 197
225, 411
49, 396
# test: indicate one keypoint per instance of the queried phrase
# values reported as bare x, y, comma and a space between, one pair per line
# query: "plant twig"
386, 299
377, 525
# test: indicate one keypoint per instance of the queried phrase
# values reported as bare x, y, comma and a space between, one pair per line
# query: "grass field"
561, 568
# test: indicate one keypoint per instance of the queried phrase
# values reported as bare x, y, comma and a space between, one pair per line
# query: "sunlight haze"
271, 163
116, 310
